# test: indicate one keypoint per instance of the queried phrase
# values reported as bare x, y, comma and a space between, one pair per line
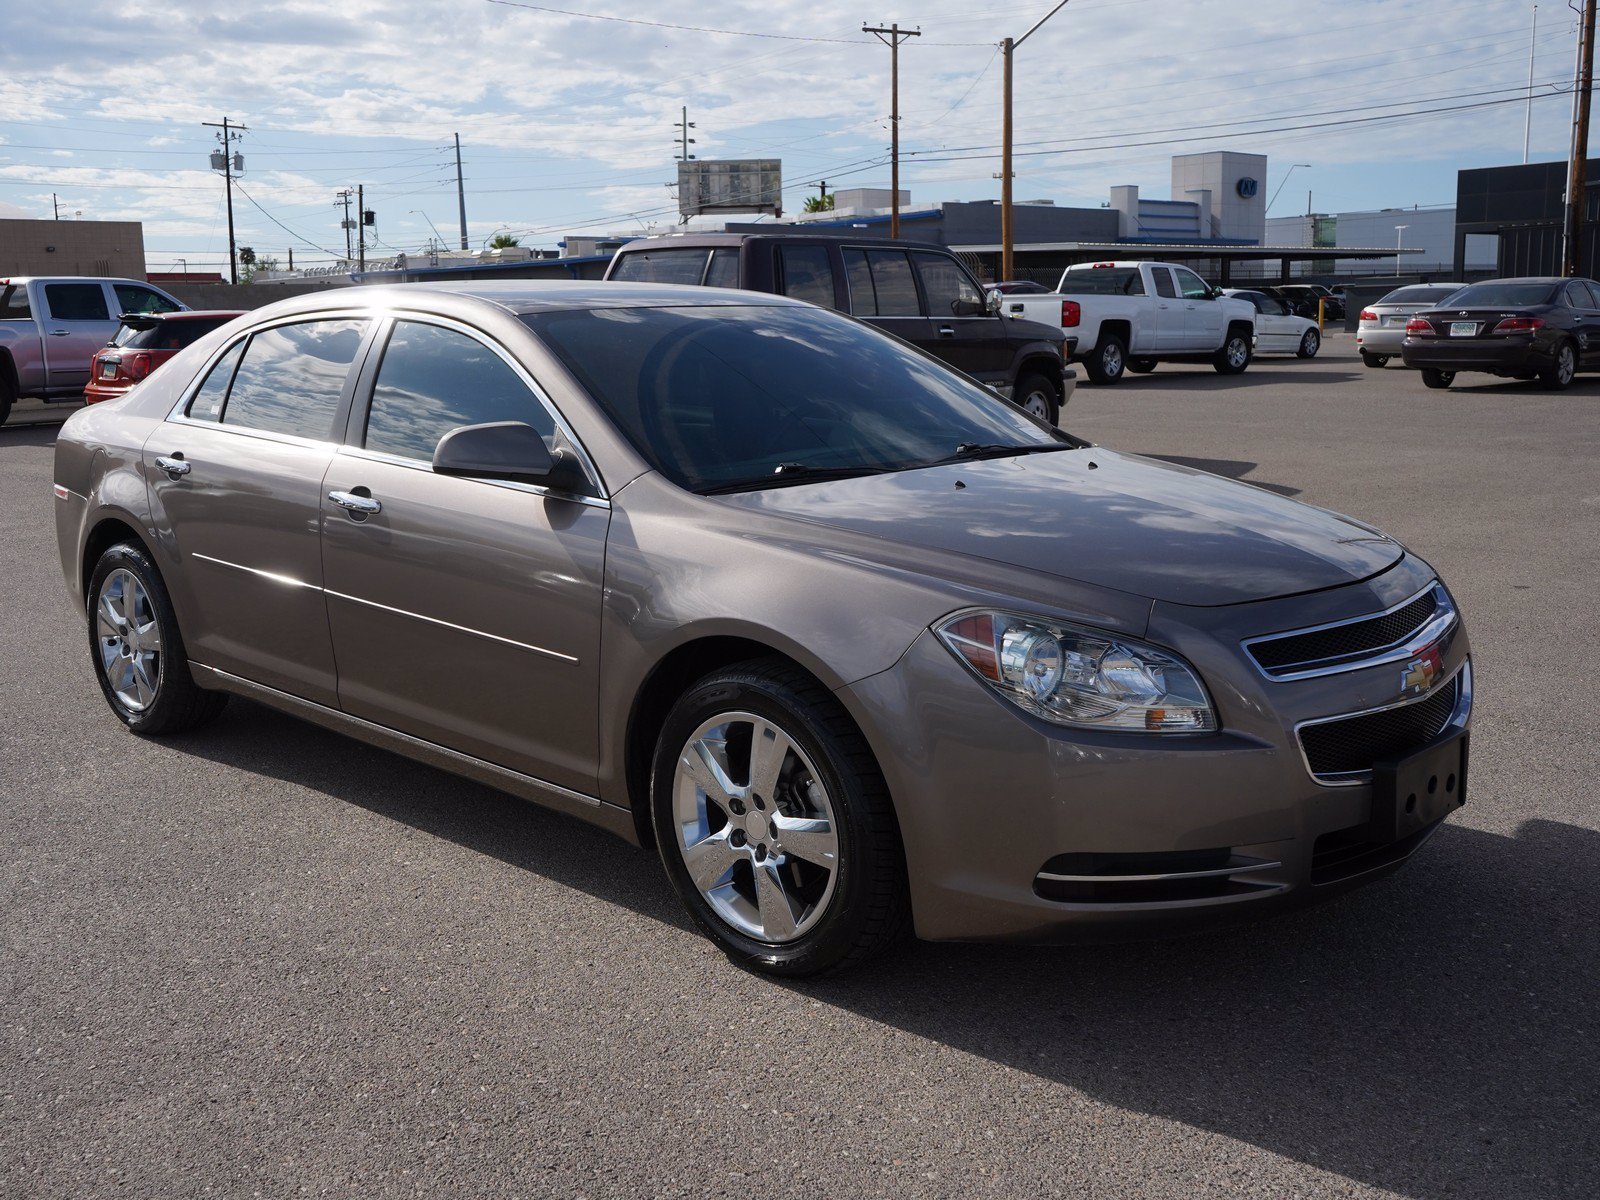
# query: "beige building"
30, 247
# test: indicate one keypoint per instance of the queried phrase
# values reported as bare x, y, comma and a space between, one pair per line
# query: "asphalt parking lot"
265, 960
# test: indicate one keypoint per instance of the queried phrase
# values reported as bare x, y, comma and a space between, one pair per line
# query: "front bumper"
1005, 817
1514, 355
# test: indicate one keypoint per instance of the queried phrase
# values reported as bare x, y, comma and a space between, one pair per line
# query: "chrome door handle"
174, 466
947, 331
60, 332
365, 505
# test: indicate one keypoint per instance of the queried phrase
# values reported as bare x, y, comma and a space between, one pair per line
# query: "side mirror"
511, 450
993, 302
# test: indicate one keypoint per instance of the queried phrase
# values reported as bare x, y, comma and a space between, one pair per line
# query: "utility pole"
684, 140
55, 205
291, 258
461, 195
1007, 49
230, 133
1577, 200
343, 197
892, 37
361, 226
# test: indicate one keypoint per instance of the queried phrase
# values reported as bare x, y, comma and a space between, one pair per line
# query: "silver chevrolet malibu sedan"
857, 645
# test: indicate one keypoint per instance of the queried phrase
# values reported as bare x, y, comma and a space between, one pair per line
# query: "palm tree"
502, 241
819, 204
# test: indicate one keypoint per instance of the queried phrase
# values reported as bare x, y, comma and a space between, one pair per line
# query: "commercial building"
1430, 231
1517, 215
30, 247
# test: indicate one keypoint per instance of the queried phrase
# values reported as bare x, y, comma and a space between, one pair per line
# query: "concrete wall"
1213, 178
241, 295
72, 248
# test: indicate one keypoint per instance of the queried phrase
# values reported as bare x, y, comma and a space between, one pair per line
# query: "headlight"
1077, 676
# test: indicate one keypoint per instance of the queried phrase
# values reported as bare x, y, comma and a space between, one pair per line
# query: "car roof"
18, 279
698, 241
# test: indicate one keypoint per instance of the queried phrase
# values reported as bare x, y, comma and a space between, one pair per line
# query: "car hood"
1112, 520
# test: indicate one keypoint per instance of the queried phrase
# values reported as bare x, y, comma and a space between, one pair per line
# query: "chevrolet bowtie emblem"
1420, 673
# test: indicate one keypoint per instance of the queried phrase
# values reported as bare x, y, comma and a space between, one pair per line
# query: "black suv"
916, 291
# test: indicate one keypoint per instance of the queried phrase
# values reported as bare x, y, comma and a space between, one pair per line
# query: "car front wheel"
1234, 356
1038, 396
138, 651
775, 824
1310, 343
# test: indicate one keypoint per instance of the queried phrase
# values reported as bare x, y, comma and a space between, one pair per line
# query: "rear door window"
947, 287
894, 288
76, 301
434, 380
724, 269
291, 378
206, 405
807, 274
1163, 280
661, 266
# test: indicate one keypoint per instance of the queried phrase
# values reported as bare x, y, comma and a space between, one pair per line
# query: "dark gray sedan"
858, 646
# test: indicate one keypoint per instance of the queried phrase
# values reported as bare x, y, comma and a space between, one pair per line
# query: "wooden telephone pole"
1007, 47
892, 37
1577, 199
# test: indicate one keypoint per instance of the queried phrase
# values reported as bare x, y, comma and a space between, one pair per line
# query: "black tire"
1107, 360
8, 397
868, 909
1437, 379
1234, 355
1037, 395
1310, 343
1559, 375
1375, 361
1141, 366
178, 704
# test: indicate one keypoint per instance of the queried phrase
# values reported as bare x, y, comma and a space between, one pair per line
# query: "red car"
145, 341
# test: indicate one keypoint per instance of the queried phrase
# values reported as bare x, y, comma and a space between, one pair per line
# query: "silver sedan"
1382, 329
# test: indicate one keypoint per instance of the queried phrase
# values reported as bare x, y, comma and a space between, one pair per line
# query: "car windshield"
1504, 295
719, 398
1421, 293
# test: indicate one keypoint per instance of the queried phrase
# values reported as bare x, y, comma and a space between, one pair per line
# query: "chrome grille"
1349, 746
1350, 645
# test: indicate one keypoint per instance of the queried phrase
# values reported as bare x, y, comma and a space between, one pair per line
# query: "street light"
1292, 168
1399, 234
1006, 48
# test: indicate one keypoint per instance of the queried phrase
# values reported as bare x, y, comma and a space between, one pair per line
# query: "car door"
1204, 320
1585, 305
464, 612
235, 479
883, 291
1167, 326
76, 321
1275, 328
968, 337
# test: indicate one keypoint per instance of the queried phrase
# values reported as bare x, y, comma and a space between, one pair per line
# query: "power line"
294, 233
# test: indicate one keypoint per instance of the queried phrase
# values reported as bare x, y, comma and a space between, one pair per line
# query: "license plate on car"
107, 370
1411, 793
1463, 328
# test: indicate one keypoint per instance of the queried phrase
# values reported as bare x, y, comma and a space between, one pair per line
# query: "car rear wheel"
1437, 379
1310, 343
1037, 395
1141, 366
138, 652
8, 396
1234, 356
1560, 373
1374, 360
775, 824
1107, 361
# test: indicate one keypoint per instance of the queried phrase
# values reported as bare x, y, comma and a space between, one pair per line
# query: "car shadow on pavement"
42, 433
1435, 1033
1232, 468
1198, 377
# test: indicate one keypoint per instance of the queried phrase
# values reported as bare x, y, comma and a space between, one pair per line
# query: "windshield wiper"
972, 451
787, 473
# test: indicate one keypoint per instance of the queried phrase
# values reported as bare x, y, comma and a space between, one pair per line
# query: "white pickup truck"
51, 328
1131, 315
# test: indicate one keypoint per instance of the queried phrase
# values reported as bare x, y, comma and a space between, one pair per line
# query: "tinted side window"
724, 269
207, 402
863, 300
434, 380
131, 298
1579, 294
660, 266
1191, 285
946, 285
16, 306
892, 282
1163, 278
76, 301
291, 377
807, 274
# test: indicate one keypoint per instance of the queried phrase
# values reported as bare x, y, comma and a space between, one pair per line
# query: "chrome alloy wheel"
755, 827
1238, 352
1111, 360
129, 640
1566, 365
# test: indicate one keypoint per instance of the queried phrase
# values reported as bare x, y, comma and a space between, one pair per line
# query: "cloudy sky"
566, 110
